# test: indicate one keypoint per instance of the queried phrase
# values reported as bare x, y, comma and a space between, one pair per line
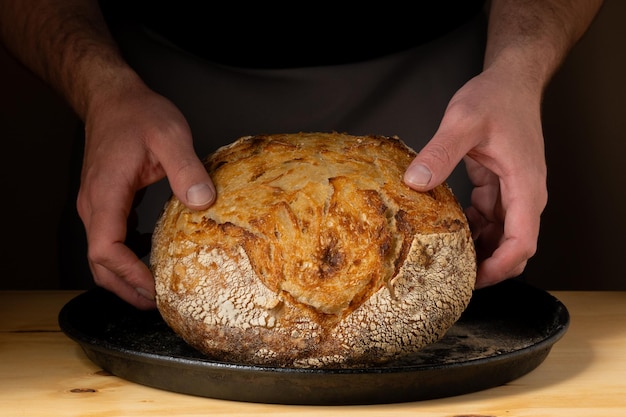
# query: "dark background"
584, 226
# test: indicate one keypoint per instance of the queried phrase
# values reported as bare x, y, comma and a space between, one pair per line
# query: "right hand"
493, 122
134, 137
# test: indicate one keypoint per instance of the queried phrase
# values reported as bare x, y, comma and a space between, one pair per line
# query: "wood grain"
43, 373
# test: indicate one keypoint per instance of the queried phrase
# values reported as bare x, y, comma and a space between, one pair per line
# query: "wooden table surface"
44, 373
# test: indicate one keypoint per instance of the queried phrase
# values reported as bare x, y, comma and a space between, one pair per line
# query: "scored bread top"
307, 229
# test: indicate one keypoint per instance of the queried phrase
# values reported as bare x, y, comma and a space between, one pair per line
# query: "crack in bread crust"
315, 254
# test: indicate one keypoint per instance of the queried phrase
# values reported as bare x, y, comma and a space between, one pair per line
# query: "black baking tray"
506, 331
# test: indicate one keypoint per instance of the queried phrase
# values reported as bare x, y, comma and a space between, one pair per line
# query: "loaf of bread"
314, 255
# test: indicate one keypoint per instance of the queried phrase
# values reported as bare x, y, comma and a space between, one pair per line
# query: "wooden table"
44, 373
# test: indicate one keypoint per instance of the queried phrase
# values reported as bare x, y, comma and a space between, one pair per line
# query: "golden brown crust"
315, 254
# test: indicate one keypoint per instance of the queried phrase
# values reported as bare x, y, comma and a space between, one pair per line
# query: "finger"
486, 200
129, 291
506, 262
485, 196
436, 161
115, 267
186, 174
517, 246
477, 222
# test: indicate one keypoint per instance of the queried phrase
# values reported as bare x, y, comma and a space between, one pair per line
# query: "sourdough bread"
315, 254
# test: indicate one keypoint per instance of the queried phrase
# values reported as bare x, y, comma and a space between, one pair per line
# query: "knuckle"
96, 253
185, 167
531, 250
518, 270
82, 206
439, 153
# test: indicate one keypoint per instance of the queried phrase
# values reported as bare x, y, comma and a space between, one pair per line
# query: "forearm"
531, 38
67, 44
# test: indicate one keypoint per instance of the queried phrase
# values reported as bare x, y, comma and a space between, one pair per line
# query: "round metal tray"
507, 331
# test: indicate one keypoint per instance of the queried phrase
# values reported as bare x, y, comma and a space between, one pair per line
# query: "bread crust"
315, 254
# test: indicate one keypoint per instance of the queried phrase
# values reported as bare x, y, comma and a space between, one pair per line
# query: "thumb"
433, 164
189, 180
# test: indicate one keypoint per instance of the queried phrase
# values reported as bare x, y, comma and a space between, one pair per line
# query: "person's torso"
300, 35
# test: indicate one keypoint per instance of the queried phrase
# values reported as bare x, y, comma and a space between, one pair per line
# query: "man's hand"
133, 139
494, 123
498, 132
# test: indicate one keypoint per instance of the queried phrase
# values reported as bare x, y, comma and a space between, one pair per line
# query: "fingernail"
199, 194
145, 293
418, 175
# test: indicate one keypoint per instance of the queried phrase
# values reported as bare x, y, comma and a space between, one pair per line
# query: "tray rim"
95, 348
